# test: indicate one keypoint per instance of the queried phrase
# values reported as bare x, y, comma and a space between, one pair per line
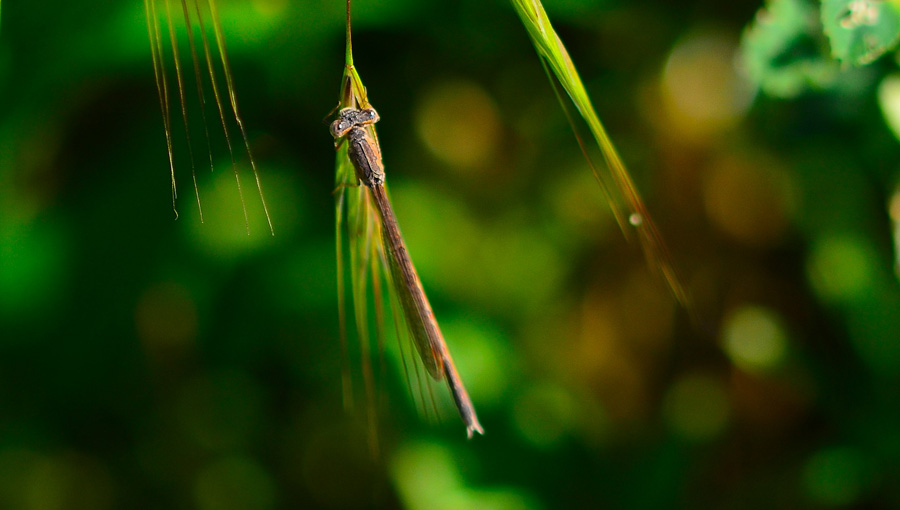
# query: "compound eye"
339, 127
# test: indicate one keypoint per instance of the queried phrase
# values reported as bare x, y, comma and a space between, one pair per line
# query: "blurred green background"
148, 362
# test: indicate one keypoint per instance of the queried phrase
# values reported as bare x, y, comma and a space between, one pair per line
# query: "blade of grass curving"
364, 236
198, 77
346, 216
346, 383
161, 78
359, 255
378, 295
162, 90
223, 54
652, 245
624, 194
567, 110
353, 212
207, 53
184, 114
360, 276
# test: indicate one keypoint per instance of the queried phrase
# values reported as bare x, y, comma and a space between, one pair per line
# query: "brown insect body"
366, 157
365, 154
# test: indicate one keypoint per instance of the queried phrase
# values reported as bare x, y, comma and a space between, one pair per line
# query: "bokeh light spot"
840, 268
223, 235
647, 312
458, 121
484, 360
450, 248
32, 481
166, 319
545, 414
696, 407
525, 269
835, 476
15, 465
482, 356
270, 8
428, 478
701, 90
754, 338
889, 101
234, 483
32, 265
574, 196
600, 356
894, 213
747, 200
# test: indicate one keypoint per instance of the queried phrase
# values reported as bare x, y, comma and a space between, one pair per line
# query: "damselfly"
355, 127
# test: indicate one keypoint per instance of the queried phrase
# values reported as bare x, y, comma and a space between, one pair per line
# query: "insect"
355, 127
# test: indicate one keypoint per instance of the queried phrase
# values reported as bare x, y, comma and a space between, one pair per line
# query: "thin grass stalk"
161, 78
198, 78
179, 80
229, 80
622, 194
162, 88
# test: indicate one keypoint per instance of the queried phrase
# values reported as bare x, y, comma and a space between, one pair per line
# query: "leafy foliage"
784, 49
792, 45
860, 31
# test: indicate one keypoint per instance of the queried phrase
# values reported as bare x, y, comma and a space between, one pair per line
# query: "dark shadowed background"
149, 362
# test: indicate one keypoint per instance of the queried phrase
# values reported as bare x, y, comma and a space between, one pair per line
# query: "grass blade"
229, 81
184, 114
207, 53
198, 78
160, 76
162, 89
624, 198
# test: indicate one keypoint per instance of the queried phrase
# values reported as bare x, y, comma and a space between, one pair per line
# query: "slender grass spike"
355, 128
622, 194
225, 113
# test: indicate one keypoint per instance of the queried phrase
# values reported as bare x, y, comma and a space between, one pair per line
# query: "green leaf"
860, 31
784, 51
